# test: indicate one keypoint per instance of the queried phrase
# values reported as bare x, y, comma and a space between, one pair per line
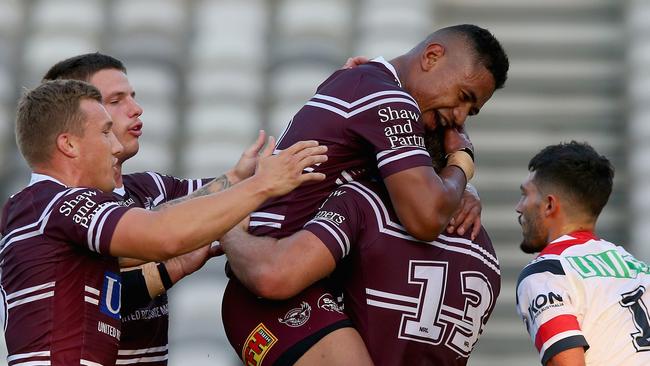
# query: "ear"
431, 55
551, 206
67, 144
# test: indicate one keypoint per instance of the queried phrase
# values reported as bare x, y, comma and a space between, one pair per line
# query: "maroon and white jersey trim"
348, 110
29, 359
91, 295
341, 237
144, 355
95, 228
35, 228
193, 185
389, 227
161, 188
260, 218
33, 293
89, 363
389, 156
411, 305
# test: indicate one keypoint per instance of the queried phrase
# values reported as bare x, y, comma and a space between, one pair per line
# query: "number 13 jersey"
413, 302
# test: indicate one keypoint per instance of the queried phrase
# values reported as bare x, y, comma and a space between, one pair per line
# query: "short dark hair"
83, 67
47, 111
489, 51
576, 169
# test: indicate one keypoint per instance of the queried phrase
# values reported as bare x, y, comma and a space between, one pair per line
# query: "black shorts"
267, 332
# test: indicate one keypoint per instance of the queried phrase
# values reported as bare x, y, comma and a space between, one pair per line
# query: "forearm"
570, 357
277, 269
242, 250
187, 225
424, 201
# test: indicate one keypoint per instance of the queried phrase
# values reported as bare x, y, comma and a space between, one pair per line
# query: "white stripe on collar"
120, 191
37, 177
389, 66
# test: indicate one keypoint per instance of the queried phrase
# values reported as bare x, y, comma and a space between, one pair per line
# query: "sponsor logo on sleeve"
543, 302
110, 302
400, 134
327, 303
257, 345
296, 317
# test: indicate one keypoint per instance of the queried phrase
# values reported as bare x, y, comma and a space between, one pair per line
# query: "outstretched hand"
283, 172
245, 167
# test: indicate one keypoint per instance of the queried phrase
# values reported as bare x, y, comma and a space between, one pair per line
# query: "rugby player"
60, 284
412, 302
583, 300
372, 118
144, 338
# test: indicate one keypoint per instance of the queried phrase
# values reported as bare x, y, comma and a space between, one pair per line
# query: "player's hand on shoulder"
355, 61
286, 170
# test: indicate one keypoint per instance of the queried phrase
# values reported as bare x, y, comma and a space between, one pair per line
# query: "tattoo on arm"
218, 184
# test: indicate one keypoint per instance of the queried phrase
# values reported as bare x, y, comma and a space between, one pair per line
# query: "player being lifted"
373, 118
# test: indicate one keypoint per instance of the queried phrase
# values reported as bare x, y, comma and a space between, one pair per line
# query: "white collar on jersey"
37, 177
389, 66
120, 191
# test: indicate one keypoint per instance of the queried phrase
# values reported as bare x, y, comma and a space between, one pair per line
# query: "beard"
534, 237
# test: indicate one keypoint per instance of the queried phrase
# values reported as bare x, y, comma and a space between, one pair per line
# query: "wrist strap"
464, 161
164, 276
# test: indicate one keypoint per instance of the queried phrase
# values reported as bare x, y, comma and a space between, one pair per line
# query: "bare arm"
425, 201
570, 357
188, 225
277, 269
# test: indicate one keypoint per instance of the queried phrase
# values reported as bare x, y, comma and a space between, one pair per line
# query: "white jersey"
582, 291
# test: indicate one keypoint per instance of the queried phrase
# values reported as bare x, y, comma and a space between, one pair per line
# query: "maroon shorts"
266, 332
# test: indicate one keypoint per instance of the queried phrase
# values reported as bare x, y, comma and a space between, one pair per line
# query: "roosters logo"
297, 316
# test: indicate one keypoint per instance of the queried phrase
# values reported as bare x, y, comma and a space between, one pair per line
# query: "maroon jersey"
144, 330
60, 288
370, 125
413, 302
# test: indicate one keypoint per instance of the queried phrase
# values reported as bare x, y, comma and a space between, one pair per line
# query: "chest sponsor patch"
257, 345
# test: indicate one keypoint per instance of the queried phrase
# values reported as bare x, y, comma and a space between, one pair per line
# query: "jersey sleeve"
547, 303
393, 130
86, 218
337, 223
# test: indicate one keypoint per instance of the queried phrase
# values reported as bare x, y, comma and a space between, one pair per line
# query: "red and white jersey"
582, 291
371, 127
145, 329
413, 302
59, 286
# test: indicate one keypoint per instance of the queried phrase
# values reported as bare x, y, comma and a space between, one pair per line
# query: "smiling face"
530, 209
450, 85
118, 97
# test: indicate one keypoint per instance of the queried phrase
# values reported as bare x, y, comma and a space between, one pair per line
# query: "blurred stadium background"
210, 73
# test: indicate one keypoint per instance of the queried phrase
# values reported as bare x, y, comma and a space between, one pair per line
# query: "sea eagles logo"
297, 316
327, 303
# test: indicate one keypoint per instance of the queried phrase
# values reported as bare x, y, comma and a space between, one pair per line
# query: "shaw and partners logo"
257, 345
544, 302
